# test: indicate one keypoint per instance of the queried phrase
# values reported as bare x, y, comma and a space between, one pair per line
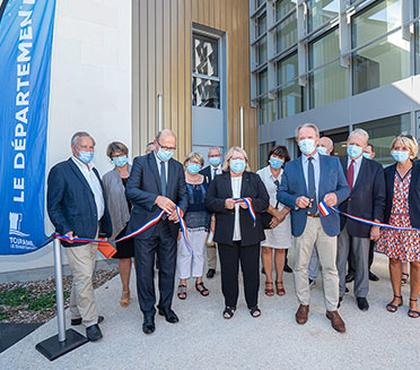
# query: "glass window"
290, 99
286, 33
262, 83
283, 7
264, 151
261, 50
381, 63
287, 69
266, 110
377, 20
324, 50
328, 84
382, 132
206, 93
417, 46
321, 11
258, 3
261, 24
205, 56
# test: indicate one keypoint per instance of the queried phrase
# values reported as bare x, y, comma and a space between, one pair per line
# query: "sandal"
404, 278
182, 291
414, 314
390, 307
280, 288
202, 289
255, 312
228, 312
125, 298
269, 291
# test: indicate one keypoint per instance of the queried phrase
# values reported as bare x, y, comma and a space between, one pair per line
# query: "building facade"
340, 64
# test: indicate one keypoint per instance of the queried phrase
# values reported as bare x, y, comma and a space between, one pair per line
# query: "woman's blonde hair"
196, 156
409, 141
229, 155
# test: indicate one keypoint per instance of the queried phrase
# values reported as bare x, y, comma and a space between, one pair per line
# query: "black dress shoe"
363, 304
349, 277
170, 315
93, 333
340, 299
287, 268
347, 290
211, 273
76, 322
149, 325
373, 277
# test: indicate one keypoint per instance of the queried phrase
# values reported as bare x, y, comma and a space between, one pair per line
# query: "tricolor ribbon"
251, 210
325, 211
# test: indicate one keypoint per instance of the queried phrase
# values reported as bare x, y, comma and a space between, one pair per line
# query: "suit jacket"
413, 193
293, 185
219, 190
71, 204
367, 198
143, 187
206, 172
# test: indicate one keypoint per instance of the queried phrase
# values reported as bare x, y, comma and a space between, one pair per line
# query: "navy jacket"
413, 194
206, 172
219, 190
143, 187
367, 198
293, 185
71, 204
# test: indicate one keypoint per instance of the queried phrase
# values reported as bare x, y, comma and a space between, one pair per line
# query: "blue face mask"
120, 161
86, 157
237, 165
322, 150
275, 163
193, 168
164, 155
307, 146
400, 156
215, 161
366, 155
354, 151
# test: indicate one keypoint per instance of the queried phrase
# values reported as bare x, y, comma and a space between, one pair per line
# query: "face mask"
215, 161
400, 155
86, 157
322, 150
366, 155
237, 165
307, 146
120, 161
354, 151
164, 155
193, 168
275, 163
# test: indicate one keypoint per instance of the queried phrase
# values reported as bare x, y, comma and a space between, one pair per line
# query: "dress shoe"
302, 314
170, 315
340, 299
149, 325
211, 273
349, 277
76, 322
336, 321
287, 268
93, 333
362, 303
311, 283
347, 290
373, 277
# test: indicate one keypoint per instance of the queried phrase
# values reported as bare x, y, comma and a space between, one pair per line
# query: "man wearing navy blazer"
156, 183
215, 158
77, 208
307, 181
366, 181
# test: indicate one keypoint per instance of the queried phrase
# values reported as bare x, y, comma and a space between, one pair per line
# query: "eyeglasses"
169, 148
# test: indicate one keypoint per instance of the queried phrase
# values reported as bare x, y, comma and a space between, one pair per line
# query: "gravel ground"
22, 314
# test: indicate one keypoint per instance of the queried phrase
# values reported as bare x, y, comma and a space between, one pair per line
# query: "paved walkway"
204, 340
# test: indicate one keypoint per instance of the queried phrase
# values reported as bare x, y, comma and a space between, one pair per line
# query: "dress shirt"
357, 164
158, 161
317, 170
236, 193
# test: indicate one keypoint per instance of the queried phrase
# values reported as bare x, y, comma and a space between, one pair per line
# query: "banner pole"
59, 292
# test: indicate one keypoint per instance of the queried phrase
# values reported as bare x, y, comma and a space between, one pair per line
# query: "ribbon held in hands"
251, 210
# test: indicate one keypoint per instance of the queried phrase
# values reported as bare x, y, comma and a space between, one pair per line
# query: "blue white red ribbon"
251, 210
326, 211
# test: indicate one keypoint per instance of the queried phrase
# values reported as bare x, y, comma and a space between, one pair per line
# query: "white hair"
361, 133
313, 126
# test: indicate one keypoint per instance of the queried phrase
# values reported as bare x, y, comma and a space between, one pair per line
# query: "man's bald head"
327, 143
165, 139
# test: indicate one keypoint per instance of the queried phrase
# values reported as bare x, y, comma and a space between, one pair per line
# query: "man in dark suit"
306, 181
366, 181
156, 183
215, 158
77, 208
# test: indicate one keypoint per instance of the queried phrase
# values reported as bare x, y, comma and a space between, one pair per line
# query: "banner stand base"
52, 349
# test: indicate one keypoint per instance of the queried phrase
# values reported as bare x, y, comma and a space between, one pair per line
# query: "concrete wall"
90, 89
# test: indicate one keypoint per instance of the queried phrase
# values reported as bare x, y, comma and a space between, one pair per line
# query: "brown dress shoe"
336, 321
302, 314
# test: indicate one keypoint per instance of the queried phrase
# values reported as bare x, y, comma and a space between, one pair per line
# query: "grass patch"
44, 301
3, 315
14, 297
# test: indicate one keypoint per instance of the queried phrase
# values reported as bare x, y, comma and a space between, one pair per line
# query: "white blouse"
236, 193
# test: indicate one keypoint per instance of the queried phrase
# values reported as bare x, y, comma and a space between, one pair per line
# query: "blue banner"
26, 30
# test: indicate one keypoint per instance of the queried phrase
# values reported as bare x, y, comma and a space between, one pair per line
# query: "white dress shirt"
158, 161
236, 193
357, 164
94, 184
218, 171
317, 170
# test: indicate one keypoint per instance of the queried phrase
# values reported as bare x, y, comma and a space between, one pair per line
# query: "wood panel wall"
164, 30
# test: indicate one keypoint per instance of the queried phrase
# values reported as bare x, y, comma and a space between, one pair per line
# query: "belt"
313, 215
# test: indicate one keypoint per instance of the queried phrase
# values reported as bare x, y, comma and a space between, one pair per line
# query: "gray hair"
194, 155
79, 134
218, 148
359, 132
307, 125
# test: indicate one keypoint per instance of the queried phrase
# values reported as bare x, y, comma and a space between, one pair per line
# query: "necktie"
163, 178
311, 186
350, 174
214, 173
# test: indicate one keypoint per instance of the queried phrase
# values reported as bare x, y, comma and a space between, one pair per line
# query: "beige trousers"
82, 262
301, 256
212, 256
